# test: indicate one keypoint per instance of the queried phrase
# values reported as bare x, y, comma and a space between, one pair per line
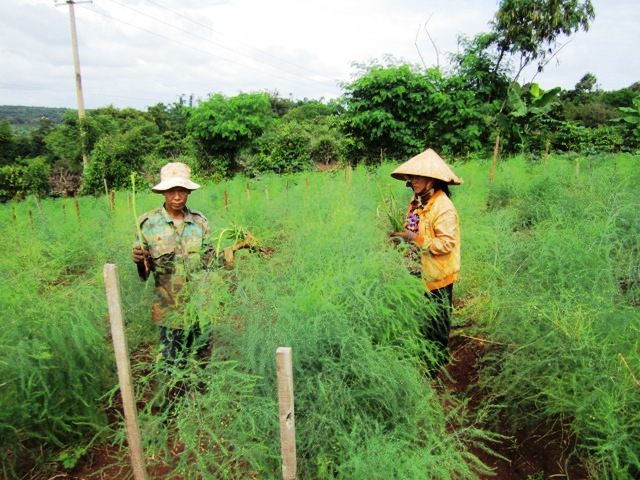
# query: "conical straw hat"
427, 164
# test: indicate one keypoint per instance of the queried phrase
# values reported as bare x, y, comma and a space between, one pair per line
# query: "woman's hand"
406, 235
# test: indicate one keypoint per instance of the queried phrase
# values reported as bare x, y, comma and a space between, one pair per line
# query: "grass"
549, 275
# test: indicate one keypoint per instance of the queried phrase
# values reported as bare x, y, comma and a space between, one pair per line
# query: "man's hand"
138, 255
405, 235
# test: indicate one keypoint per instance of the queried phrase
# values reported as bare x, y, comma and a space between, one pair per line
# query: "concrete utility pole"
76, 66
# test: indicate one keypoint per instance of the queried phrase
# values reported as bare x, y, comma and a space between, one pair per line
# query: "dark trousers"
178, 344
438, 323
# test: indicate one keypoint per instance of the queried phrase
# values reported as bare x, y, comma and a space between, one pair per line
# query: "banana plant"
523, 111
632, 114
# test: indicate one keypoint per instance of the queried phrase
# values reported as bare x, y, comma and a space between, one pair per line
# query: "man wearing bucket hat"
175, 246
432, 233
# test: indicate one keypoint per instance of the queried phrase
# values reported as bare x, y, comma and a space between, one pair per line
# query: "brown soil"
526, 454
542, 452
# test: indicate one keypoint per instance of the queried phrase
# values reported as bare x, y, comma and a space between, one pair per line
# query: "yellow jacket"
439, 241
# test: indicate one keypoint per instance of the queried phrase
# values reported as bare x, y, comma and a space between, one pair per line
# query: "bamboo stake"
287, 413
110, 274
77, 205
496, 149
135, 217
306, 192
106, 192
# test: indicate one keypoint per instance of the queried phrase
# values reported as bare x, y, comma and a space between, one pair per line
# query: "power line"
235, 40
314, 85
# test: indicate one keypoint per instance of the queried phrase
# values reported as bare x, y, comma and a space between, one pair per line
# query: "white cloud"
141, 52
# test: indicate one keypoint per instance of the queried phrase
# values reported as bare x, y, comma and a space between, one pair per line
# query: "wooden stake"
106, 191
226, 201
77, 205
287, 413
496, 149
110, 274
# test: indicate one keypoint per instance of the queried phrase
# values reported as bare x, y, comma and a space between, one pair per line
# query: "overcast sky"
137, 53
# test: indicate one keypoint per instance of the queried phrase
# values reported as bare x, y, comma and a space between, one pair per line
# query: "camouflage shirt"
178, 252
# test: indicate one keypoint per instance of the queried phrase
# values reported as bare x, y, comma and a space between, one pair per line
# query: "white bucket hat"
175, 174
427, 164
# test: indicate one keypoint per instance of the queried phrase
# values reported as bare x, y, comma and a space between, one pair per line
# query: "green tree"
7, 144
396, 111
222, 127
172, 124
284, 149
476, 63
530, 29
312, 111
587, 84
459, 123
116, 156
387, 111
320, 121
63, 142
37, 145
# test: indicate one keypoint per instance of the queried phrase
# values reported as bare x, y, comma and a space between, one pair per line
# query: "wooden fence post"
287, 413
496, 151
110, 274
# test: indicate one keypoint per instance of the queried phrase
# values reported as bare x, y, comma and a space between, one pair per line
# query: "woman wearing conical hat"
432, 233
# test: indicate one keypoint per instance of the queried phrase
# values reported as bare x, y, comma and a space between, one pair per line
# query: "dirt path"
539, 453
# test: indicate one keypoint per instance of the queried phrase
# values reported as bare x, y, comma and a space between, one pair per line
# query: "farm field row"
550, 282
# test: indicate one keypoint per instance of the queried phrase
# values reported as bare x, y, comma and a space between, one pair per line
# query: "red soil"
542, 452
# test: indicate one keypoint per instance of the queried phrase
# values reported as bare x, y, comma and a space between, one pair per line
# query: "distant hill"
25, 119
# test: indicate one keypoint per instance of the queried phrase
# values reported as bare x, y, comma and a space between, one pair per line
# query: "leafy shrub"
572, 138
19, 180
284, 149
115, 157
12, 182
